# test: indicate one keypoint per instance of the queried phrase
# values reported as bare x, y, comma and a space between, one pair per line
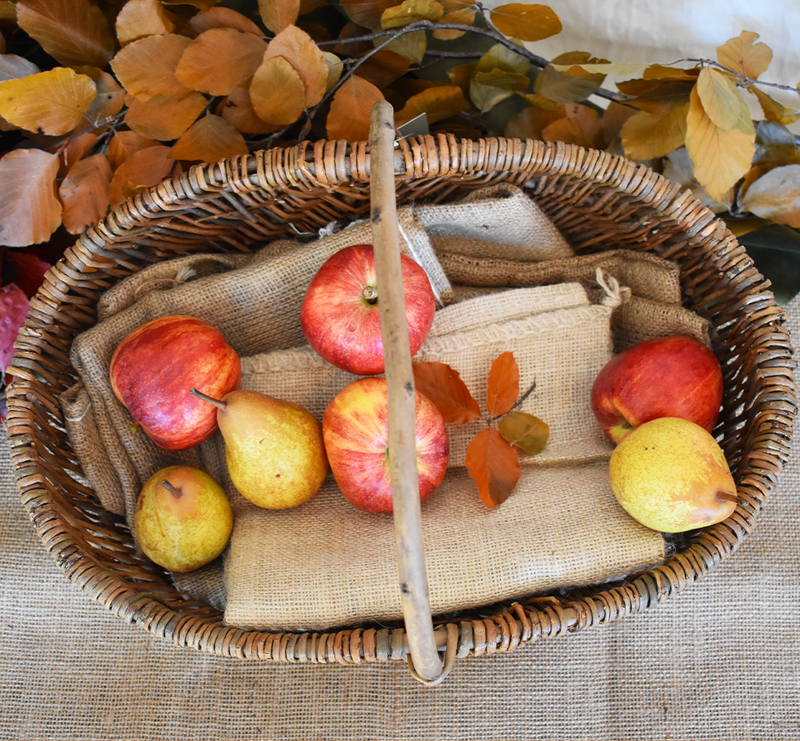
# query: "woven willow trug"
599, 201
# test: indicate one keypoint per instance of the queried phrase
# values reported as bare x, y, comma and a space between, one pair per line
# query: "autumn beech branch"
744, 78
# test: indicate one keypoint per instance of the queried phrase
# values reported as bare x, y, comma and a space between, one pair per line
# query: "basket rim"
335, 165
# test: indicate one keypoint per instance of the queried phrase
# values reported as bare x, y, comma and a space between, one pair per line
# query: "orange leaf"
220, 58
437, 103
647, 136
300, 50
721, 99
74, 32
164, 121
237, 110
84, 193
494, 465
75, 151
582, 126
220, 18
278, 14
348, 117
277, 92
773, 110
146, 68
52, 102
526, 22
741, 55
461, 12
140, 18
503, 388
110, 98
29, 209
367, 13
444, 387
144, 169
124, 145
210, 139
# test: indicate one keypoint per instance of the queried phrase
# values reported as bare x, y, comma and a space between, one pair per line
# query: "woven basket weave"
598, 201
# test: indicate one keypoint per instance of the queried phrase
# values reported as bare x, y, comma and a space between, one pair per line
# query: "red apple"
355, 430
154, 368
340, 316
664, 377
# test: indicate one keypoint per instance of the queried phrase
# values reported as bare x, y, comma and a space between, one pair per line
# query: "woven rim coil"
597, 200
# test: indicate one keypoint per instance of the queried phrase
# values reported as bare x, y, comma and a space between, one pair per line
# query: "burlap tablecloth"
719, 661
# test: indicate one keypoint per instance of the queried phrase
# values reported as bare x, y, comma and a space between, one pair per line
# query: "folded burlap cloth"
326, 563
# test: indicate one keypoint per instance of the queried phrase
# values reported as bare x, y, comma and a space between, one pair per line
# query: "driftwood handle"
426, 664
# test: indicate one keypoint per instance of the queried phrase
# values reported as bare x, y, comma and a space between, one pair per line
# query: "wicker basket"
598, 201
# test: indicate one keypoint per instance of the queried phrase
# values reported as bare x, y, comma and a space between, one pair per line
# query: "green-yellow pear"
183, 518
671, 475
273, 448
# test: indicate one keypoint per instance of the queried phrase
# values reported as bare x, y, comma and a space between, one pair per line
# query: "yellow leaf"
220, 58
300, 50
12, 67
436, 103
278, 14
210, 139
52, 102
29, 209
598, 68
411, 46
564, 87
220, 18
741, 55
146, 68
662, 72
773, 110
527, 22
487, 89
277, 92
776, 196
721, 99
461, 12
74, 32
84, 193
646, 135
335, 68
164, 121
720, 157
145, 168
410, 11
501, 57
237, 110
349, 115
140, 18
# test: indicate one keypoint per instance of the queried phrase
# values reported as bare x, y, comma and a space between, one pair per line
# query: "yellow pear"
273, 448
671, 475
183, 519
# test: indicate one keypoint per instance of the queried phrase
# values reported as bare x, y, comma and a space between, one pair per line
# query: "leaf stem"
517, 404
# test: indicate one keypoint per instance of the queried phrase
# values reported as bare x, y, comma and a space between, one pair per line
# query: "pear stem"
174, 490
218, 403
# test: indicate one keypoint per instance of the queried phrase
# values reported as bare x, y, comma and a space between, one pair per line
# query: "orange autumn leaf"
461, 12
503, 386
437, 103
220, 18
581, 125
210, 139
84, 193
277, 92
75, 150
367, 13
348, 117
220, 58
29, 209
110, 97
74, 32
237, 110
278, 14
410, 11
165, 121
647, 136
741, 55
146, 68
443, 386
124, 144
494, 465
140, 18
300, 50
144, 169
526, 22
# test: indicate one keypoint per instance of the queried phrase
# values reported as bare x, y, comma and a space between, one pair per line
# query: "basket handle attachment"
423, 655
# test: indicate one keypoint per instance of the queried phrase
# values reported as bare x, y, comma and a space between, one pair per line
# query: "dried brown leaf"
110, 98
527, 22
12, 67
494, 466
581, 125
443, 386
84, 193
220, 18
29, 209
237, 110
164, 121
411, 46
144, 169
381, 69
721, 99
300, 50
502, 58
146, 68
124, 144
348, 117
503, 386
219, 59
277, 92
52, 102
487, 89
76, 150
437, 103
140, 18
741, 55
663, 97
74, 32
199, 4
525, 431
409, 11
367, 13
531, 122
563, 87
335, 69
647, 136
775, 196
720, 157
461, 12
278, 14
210, 139
773, 110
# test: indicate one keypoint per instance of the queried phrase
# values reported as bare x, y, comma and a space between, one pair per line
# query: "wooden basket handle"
423, 654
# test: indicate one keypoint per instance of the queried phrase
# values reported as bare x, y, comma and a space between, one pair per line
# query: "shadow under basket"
598, 201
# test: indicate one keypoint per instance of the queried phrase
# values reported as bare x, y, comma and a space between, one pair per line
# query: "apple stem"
174, 490
370, 294
218, 403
